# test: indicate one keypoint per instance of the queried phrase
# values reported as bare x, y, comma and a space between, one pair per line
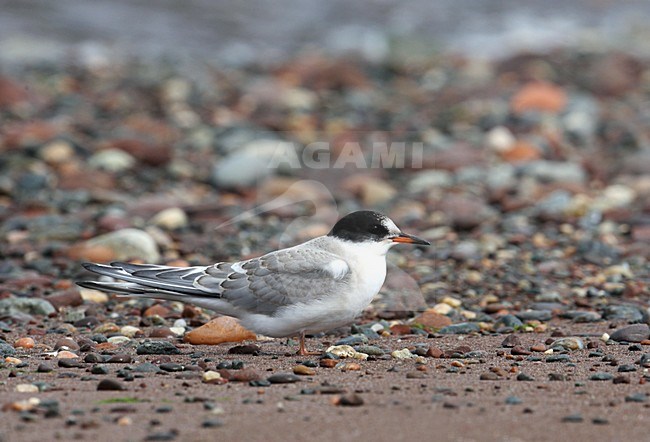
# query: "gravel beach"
527, 319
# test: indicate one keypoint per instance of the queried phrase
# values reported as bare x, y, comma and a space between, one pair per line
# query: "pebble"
32, 306
460, 328
6, 349
44, 367
119, 358
631, 333
355, 339
26, 388
99, 369
112, 160
146, 367
130, 331
511, 341
510, 321
212, 423
171, 367
170, 219
250, 349
157, 348
24, 343
109, 385
349, 400
558, 358
70, 363
601, 376
212, 377
571, 344
342, 351
637, 397
404, 353
432, 320
303, 370
524, 377
117, 340
283, 378
126, 244
573, 418
370, 350
624, 312
219, 330
64, 354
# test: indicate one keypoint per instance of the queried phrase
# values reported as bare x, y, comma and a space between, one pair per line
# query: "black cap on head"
364, 225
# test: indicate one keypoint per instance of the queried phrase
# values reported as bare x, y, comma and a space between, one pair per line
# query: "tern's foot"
305, 352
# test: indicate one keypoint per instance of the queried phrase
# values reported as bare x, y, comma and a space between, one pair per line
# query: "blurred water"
237, 32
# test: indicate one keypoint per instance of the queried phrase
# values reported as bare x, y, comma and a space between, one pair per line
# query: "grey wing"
264, 284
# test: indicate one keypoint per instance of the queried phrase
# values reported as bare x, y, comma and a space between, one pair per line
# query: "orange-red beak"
410, 239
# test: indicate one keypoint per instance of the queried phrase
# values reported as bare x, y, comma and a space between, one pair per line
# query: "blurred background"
261, 31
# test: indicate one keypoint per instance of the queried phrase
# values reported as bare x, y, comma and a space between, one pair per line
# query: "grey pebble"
157, 348
460, 329
283, 378
601, 376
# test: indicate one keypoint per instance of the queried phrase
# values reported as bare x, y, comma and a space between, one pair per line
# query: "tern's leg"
303, 351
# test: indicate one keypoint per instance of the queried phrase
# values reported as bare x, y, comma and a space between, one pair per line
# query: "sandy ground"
399, 402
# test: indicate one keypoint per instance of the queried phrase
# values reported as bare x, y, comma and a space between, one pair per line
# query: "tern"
318, 285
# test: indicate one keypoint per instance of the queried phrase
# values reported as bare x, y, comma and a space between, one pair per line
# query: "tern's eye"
377, 229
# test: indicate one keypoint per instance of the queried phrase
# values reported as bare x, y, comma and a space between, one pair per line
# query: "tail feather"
147, 278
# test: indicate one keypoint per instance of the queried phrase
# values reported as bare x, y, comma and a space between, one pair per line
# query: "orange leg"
303, 351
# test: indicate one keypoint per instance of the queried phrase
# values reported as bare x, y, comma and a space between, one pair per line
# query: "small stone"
117, 340
631, 333
91, 295
93, 358
621, 379
513, 400
70, 363
212, 423
432, 320
328, 363
355, 339
461, 328
370, 350
250, 349
212, 377
171, 367
511, 341
66, 344
6, 349
573, 418
24, 343
518, 350
558, 358
350, 366
13, 306
171, 219
245, 375
109, 385
130, 332
349, 400
119, 358
571, 344
342, 351
601, 376
524, 377
157, 348
99, 369
637, 397
510, 321
26, 388
161, 332
147, 367
404, 353
219, 330
625, 368
112, 160
66, 355
44, 367
489, 376
283, 378
303, 370
434, 352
